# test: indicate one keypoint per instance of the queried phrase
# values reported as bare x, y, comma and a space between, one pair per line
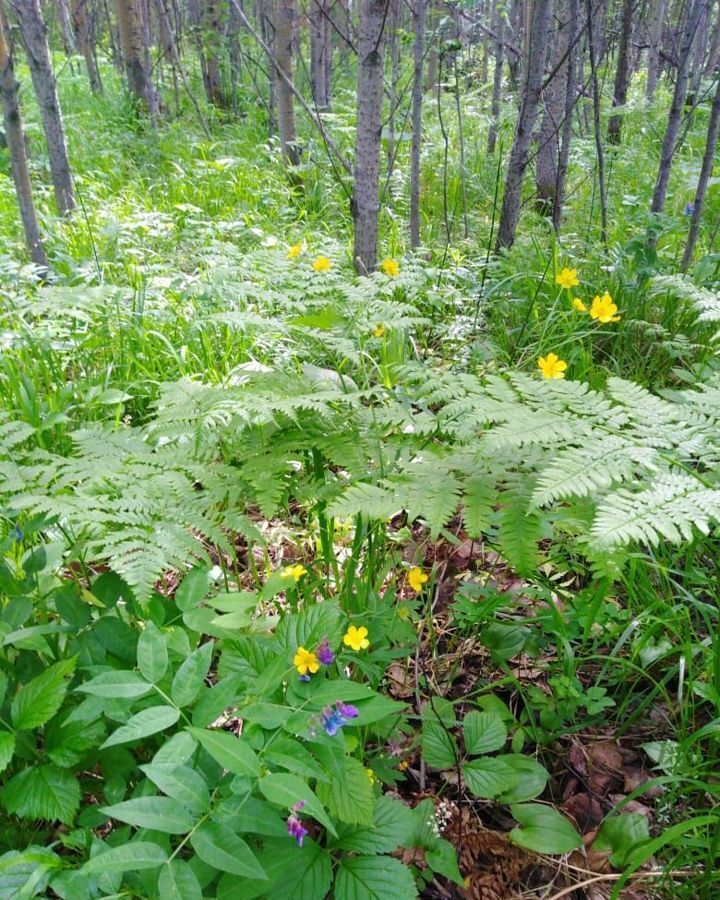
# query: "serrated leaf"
191, 675
439, 749
158, 813
177, 881
483, 732
287, 790
120, 685
7, 749
489, 777
219, 847
351, 798
479, 498
126, 858
152, 653
392, 827
543, 829
181, 783
233, 753
38, 701
374, 878
42, 792
148, 721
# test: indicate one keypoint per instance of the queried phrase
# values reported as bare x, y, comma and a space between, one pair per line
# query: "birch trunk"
654, 42
419, 15
212, 40
83, 25
548, 152
131, 41
283, 49
499, 24
623, 71
320, 52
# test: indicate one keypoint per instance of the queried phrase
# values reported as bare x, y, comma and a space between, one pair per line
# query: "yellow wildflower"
567, 278
603, 309
322, 264
416, 579
552, 366
403, 764
371, 776
305, 661
578, 305
391, 267
295, 250
295, 572
379, 331
356, 638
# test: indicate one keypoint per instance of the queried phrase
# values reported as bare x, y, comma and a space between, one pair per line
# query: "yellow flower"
379, 330
305, 661
403, 764
371, 776
322, 264
567, 278
295, 572
416, 579
391, 267
578, 305
603, 309
356, 638
552, 366
295, 250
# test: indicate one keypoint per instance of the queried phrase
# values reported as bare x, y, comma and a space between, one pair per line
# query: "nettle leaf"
489, 777
543, 829
181, 783
531, 778
351, 798
294, 873
439, 748
143, 724
152, 653
374, 878
219, 847
127, 858
7, 749
483, 732
42, 792
177, 881
310, 626
191, 675
25, 873
287, 790
158, 813
120, 685
393, 826
620, 834
38, 701
233, 753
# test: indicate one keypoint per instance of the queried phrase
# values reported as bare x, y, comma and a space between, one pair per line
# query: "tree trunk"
131, 40
394, 50
15, 139
596, 99
283, 49
433, 65
365, 201
84, 28
623, 71
419, 15
548, 153
65, 22
320, 50
499, 25
213, 30
538, 37
34, 36
672, 130
267, 29
570, 99
654, 41
713, 57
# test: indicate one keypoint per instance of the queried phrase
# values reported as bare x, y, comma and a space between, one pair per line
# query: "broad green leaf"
158, 813
309, 627
290, 754
543, 829
219, 847
120, 685
176, 750
143, 724
233, 753
191, 675
177, 881
7, 749
392, 827
323, 692
375, 710
269, 715
126, 858
193, 589
442, 858
181, 783
38, 701
42, 792
489, 777
25, 873
287, 790
350, 798
620, 834
439, 749
531, 778
294, 873
374, 878
152, 653
483, 732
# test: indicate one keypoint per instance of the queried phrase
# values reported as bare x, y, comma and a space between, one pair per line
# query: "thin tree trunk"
499, 23
433, 65
365, 201
267, 31
713, 57
15, 139
570, 99
654, 41
599, 150
283, 48
623, 71
84, 29
34, 36
419, 15
212, 39
548, 152
538, 37
393, 25
131, 41
320, 49
66, 28
672, 130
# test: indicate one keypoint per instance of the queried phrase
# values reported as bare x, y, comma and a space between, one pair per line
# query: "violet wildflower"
689, 208
347, 710
296, 829
332, 721
304, 678
324, 653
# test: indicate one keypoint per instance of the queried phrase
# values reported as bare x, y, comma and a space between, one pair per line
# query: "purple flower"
332, 721
347, 710
304, 678
296, 829
324, 653
689, 209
